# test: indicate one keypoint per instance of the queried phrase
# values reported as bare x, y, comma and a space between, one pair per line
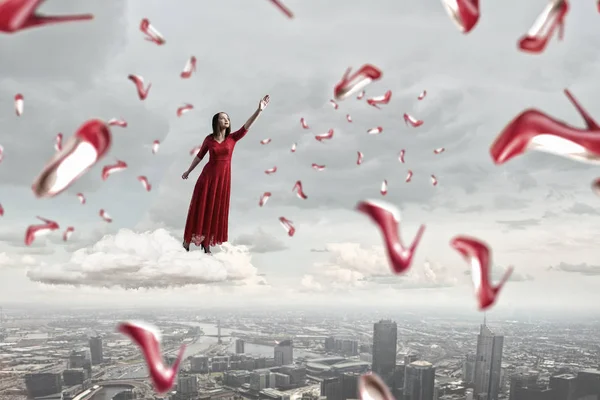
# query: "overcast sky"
537, 212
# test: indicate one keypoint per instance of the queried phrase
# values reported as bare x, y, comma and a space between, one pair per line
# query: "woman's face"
223, 121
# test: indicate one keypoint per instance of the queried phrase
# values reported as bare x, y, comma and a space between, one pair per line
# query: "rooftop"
421, 364
349, 364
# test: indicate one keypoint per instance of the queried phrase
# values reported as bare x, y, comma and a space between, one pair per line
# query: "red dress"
208, 215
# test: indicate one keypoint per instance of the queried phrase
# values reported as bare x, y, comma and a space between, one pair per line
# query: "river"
108, 393
204, 342
250, 348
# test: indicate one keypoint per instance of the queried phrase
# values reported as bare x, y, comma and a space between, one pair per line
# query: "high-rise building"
199, 364
331, 388
564, 387
408, 359
385, 337
239, 346
284, 353
79, 359
43, 384
468, 371
398, 381
260, 379
420, 381
97, 355
72, 377
187, 384
588, 384
349, 385
488, 364
520, 381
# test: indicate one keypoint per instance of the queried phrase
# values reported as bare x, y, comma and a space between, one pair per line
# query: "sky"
536, 212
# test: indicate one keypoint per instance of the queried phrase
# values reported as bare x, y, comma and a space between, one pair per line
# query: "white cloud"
352, 266
148, 260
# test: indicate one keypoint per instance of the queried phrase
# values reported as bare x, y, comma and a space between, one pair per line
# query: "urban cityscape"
78, 355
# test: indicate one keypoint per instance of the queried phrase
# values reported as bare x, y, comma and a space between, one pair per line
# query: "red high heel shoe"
16, 15
464, 13
535, 130
478, 255
553, 16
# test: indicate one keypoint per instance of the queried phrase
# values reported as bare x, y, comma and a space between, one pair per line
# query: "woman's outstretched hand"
263, 103
185, 175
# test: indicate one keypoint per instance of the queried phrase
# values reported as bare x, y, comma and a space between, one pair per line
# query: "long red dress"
208, 215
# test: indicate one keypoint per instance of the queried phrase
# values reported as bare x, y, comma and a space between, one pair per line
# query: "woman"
208, 215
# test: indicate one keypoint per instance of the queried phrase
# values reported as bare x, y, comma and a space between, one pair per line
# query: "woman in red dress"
208, 215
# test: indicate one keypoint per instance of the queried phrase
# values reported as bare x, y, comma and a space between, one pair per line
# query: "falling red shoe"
387, 218
288, 226
148, 340
81, 152
139, 85
371, 387
288, 13
477, 254
464, 13
553, 16
17, 15
35, 231
356, 82
535, 130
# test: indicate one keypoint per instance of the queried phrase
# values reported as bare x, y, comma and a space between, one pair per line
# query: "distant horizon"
378, 313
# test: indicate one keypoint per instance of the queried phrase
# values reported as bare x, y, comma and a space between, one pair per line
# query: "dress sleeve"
203, 149
240, 133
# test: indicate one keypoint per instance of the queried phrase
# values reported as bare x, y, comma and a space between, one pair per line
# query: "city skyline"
325, 354
537, 212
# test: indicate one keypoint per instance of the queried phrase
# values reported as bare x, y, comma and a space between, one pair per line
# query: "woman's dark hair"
215, 124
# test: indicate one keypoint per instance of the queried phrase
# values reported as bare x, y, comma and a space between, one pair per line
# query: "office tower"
564, 387
284, 353
330, 343
239, 346
420, 381
187, 384
97, 355
349, 385
260, 379
468, 373
72, 377
43, 384
588, 384
520, 381
398, 380
347, 347
279, 380
199, 364
488, 364
533, 393
385, 337
331, 388
78, 359
408, 359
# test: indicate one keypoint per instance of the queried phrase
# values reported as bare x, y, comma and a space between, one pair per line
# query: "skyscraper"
239, 346
420, 381
284, 353
488, 364
385, 337
96, 352
469, 369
